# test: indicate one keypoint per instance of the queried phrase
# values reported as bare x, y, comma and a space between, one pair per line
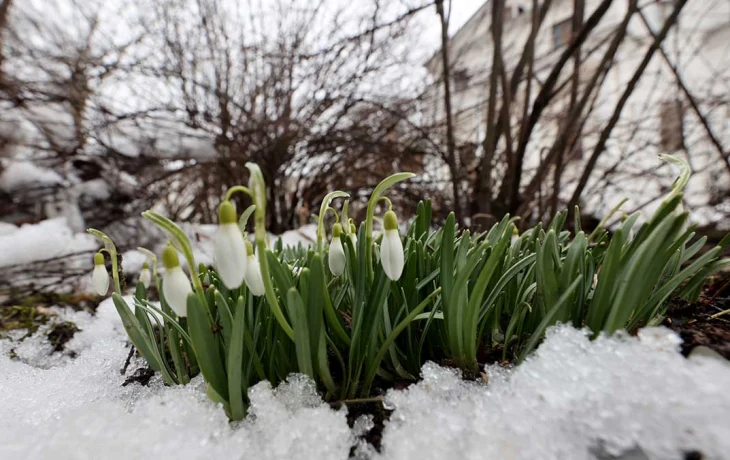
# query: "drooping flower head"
145, 277
391, 250
254, 281
337, 252
229, 247
100, 277
175, 284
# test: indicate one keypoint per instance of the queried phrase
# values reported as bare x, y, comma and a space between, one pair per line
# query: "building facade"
658, 117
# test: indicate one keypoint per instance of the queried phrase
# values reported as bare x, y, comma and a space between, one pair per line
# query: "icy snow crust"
570, 397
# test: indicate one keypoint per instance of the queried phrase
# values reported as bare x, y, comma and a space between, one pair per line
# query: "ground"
623, 397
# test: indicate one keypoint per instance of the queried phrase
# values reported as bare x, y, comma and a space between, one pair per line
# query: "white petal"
230, 255
100, 278
353, 238
391, 255
254, 281
337, 257
175, 288
145, 277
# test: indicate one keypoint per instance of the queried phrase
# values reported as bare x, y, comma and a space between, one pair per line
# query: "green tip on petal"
249, 248
98, 258
336, 231
390, 221
169, 258
145, 265
227, 213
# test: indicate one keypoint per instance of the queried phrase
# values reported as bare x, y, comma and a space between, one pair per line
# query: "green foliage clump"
456, 295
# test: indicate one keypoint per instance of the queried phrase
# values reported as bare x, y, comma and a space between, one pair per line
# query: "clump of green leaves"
453, 295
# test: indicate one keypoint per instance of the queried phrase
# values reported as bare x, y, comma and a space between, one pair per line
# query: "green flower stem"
183, 244
170, 325
599, 229
236, 189
684, 173
387, 200
111, 249
322, 211
374, 198
257, 185
153, 258
345, 219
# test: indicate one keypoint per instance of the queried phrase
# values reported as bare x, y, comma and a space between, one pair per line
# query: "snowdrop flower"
100, 277
145, 277
253, 278
353, 235
337, 252
229, 248
391, 250
175, 284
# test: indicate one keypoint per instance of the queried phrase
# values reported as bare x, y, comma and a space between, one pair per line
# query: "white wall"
700, 48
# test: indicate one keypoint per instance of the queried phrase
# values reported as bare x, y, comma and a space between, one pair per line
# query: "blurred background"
520, 107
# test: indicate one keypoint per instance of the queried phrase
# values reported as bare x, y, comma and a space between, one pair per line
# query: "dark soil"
367, 407
19, 310
141, 376
694, 323
60, 334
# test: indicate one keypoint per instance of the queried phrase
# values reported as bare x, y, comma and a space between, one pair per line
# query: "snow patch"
42, 241
20, 175
572, 396
306, 235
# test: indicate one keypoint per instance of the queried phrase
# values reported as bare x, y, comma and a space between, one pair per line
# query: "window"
562, 32
461, 80
671, 126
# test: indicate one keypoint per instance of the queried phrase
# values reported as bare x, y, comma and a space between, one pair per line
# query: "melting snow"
45, 240
569, 398
24, 174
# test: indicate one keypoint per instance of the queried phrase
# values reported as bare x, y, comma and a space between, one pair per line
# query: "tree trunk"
546, 93
573, 133
451, 157
489, 146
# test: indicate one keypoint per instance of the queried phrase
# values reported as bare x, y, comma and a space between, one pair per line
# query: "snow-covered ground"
569, 398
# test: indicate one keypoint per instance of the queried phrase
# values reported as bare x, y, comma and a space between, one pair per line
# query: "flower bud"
337, 252
353, 235
253, 278
175, 284
100, 277
391, 250
229, 249
145, 277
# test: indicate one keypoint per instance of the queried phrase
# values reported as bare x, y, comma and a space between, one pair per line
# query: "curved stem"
337, 216
322, 211
153, 258
345, 219
238, 189
384, 185
183, 244
387, 200
258, 186
111, 249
